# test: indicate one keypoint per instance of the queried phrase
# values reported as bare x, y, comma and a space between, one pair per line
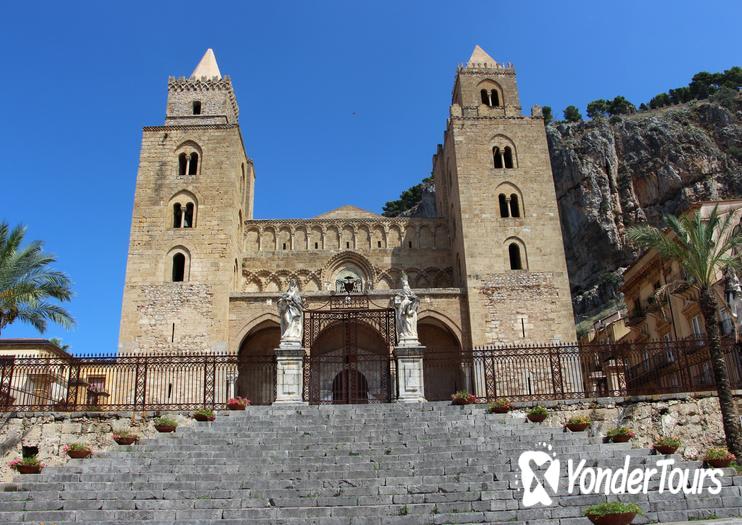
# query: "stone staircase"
427, 463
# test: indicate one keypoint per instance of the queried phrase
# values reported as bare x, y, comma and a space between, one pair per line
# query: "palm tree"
702, 247
27, 283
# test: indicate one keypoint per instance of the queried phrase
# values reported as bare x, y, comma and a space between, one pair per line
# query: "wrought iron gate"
349, 374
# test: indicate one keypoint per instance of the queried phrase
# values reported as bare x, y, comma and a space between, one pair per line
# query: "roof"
34, 343
348, 212
207, 67
479, 57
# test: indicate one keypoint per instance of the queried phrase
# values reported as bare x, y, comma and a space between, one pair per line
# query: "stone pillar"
410, 373
289, 375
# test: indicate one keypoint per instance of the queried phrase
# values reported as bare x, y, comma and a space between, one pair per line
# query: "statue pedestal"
410, 373
289, 376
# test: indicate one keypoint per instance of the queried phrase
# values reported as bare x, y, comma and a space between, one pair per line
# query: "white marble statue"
291, 312
733, 290
406, 305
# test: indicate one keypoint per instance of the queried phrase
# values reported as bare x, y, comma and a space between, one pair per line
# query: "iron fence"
134, 382
520, 373
573, 371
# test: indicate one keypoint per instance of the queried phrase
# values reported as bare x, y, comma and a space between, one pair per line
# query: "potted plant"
500, 406
238, 403
613, 513
125, 437
666, 445
165, 424
27, 465
578, 423
620, 434
462, 397
204, 414
78, 450
718, 457
537, 414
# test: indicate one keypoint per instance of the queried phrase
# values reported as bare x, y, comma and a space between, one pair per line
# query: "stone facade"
203, 275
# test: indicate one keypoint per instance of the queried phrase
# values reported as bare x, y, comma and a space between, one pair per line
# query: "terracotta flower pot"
236, 406
28, 469
621, 438
536, 418
719, 463
624, 518
665, 449
202, 417
165, 428
80, 454
500, 410
125, 440
577, 427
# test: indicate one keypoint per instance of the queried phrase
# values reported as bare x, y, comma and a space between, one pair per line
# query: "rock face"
612, 174
426, 207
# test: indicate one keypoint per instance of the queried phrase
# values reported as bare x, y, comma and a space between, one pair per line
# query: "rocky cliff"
612, 174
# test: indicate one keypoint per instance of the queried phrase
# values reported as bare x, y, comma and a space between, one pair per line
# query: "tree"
548, 115
621, 106
597, 108
572, 114
56, 341
660, 101
702, 248
27, 283
407, 199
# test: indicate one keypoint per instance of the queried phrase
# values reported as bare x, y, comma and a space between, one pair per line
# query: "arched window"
182, 164
503, 200
188, 216
514, 206
177, 215
508, 157
497, 155
490, 98
179, 267
193, 164
515, 259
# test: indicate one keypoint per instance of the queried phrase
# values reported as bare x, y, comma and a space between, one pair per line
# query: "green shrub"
668, 441
613, 507
166, 421
620, 431
579, 420
538, 410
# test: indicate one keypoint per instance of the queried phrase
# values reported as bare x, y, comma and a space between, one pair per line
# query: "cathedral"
204, 276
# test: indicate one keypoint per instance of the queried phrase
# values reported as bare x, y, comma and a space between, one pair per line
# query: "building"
203, 275
661, 309
41, 380
665, 320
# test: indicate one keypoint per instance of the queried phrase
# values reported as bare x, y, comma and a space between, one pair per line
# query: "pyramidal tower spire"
479, 57
207, 66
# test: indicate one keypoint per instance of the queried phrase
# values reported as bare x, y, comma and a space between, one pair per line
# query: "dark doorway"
350, 385
350, 354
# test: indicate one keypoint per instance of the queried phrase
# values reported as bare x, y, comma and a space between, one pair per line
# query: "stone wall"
50, 432
695, 420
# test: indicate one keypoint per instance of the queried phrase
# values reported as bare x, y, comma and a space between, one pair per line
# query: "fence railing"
142, 382
572, 371
520, 373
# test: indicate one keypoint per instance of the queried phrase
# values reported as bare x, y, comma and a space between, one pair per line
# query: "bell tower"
494, 184
194, 190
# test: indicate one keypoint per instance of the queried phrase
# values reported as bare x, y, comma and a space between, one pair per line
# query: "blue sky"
342, 101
